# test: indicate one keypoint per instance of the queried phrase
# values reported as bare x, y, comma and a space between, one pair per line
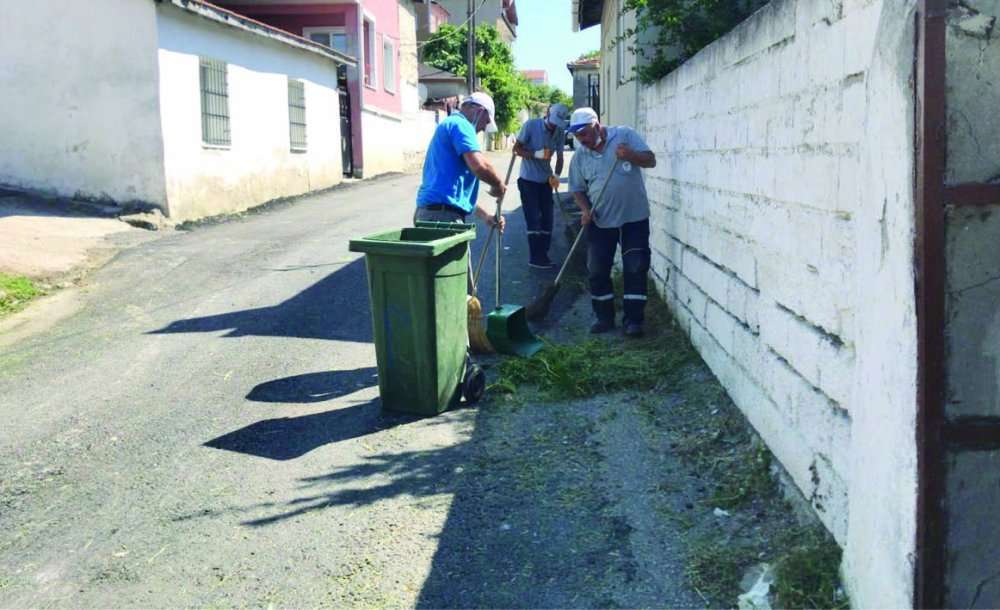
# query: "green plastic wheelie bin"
417, 279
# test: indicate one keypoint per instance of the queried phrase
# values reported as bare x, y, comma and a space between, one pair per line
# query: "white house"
178, 105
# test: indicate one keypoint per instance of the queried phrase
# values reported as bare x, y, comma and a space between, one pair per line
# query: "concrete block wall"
972, 329
782, 236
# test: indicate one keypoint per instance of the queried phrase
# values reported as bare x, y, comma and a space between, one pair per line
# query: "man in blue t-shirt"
539, 141
455, 164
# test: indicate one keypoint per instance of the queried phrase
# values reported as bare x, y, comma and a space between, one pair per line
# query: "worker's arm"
583, 202
483, 170
523, 151
644, 158
559, 159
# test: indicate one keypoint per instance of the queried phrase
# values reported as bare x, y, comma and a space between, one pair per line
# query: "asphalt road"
206, 432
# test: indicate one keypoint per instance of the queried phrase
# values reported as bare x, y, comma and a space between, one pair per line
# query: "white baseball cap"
481, 99
558, 115
582, 117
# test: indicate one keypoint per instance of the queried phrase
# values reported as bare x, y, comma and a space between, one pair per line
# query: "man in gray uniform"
538, 141
621, 216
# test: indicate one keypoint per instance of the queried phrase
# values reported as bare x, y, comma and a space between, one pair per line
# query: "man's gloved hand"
544, 154
554, 182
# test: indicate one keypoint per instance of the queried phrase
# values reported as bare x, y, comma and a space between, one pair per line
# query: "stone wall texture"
782, 212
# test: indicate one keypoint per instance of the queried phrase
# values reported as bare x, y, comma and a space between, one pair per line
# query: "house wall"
581, 88
80, 100
418, 124
294, 18
259, 165
490, 13
972, 331
378, 98
783, 220
619, 94
429, 16
376, 113
409, 69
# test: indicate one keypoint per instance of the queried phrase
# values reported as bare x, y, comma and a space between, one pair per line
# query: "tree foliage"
540, 97
669, 32
447, 49
590, 54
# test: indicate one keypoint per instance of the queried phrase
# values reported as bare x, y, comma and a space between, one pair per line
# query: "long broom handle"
576, 242
489, 238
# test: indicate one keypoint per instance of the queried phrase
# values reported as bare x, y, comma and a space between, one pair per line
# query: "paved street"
206, 430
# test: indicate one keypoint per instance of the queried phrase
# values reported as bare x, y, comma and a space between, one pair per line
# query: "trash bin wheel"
474, 383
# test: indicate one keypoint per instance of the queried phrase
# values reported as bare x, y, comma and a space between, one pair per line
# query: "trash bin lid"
412, 241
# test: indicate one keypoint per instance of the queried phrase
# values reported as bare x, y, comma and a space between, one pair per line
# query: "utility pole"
471, 23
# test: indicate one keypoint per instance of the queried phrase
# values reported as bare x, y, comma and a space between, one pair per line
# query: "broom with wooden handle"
539, 308
478, 342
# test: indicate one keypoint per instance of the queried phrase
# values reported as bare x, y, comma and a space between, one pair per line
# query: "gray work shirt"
534, 136
625, 198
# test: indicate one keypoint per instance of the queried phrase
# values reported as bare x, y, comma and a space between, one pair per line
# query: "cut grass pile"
807, 576
606, 365
15, 292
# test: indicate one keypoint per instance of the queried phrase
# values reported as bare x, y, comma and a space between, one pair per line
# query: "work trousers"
536, 203
603, 243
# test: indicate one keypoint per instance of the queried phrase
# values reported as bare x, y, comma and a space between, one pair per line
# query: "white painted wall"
420, 128
783, 239
79, 97
619, 93
259, 166
383, 136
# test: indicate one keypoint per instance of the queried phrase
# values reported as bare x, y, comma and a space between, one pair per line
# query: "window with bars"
214, 103
297, 115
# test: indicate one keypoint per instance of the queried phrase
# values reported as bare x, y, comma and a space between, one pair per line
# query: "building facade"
536, 77
177, 105
372, 31
501, 14
586, 82
620, 101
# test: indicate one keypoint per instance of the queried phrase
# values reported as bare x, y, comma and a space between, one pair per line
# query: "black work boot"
601, 326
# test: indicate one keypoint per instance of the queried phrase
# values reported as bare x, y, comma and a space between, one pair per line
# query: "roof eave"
242, 22
587, 13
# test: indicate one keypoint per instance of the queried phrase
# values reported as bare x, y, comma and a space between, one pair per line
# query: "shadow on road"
413, 474
335, 308
288, 438
314, 387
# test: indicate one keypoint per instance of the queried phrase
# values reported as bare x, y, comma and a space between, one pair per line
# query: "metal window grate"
297, 114
214, 102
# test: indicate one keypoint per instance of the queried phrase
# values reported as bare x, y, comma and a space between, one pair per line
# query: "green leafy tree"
540, 97
590, 54
669, 32
447, 49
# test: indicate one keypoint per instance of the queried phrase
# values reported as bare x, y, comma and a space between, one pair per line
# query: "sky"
546, 41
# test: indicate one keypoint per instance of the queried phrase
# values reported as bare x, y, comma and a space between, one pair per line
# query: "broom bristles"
539, 308
478, 342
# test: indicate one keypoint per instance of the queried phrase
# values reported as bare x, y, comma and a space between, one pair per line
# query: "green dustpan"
508, 332
507, 325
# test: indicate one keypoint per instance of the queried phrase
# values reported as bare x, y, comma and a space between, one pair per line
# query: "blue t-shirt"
447, 179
